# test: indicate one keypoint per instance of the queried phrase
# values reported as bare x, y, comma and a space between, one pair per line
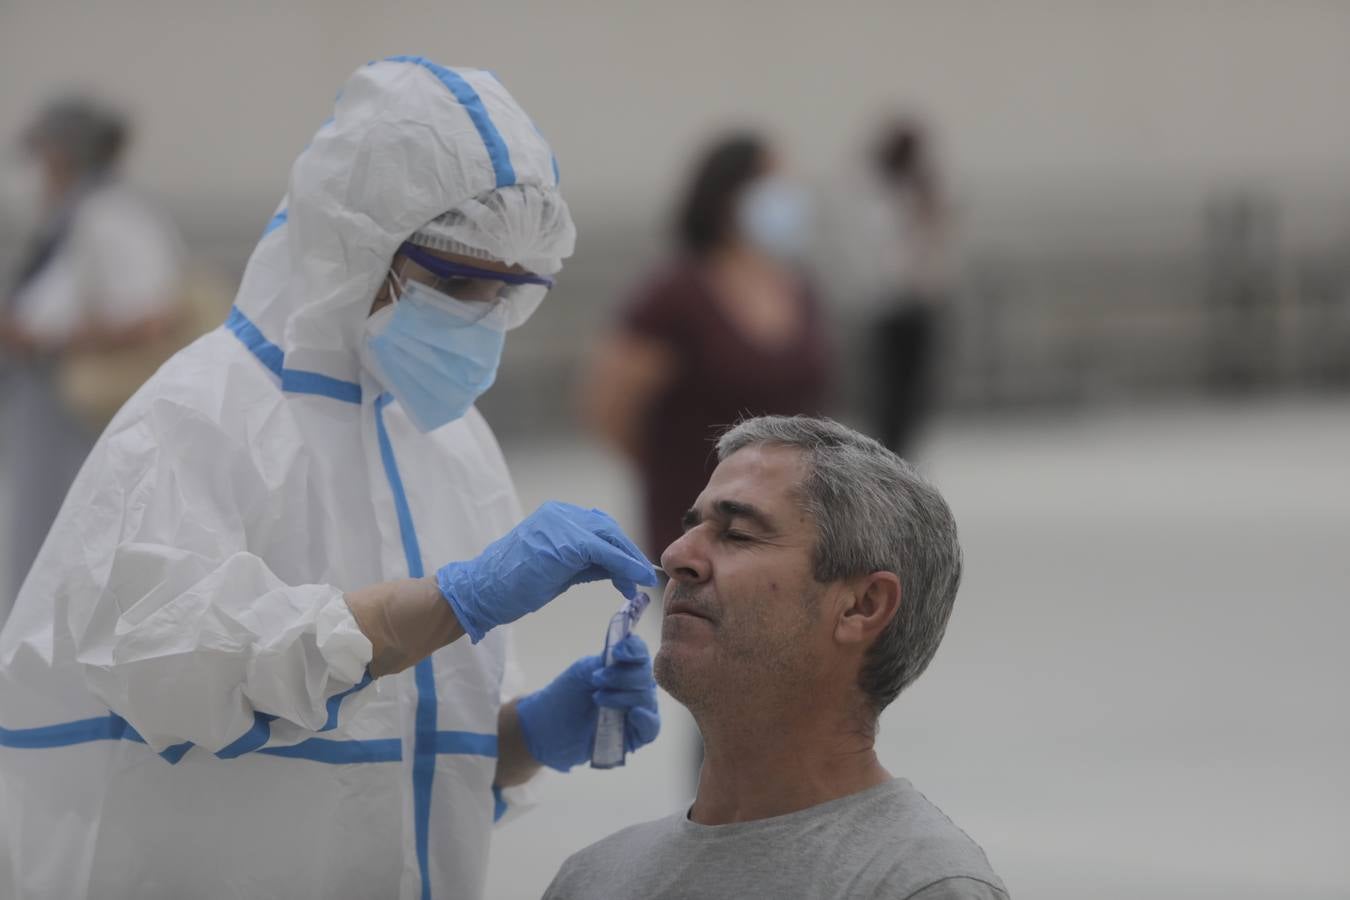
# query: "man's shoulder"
605, 860
960, 887
630, 839
930, 851
888, 841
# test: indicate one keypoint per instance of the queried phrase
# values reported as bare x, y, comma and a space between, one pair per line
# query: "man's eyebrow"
736, 509
730, 509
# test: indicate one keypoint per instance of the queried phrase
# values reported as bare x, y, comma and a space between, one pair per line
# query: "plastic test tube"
608, 750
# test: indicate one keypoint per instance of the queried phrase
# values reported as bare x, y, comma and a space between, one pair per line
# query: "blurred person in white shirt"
100, 276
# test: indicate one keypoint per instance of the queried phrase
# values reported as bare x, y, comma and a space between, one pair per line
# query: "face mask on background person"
774, 214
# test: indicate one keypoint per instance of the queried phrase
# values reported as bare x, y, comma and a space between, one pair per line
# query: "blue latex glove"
559, 721
557, 547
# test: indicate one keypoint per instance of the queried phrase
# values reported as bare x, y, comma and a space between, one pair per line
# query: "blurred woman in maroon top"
729, 328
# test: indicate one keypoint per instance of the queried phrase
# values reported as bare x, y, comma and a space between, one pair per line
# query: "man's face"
744, 617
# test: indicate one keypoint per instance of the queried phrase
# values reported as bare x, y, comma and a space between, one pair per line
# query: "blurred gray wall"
1029, 95
1084, 141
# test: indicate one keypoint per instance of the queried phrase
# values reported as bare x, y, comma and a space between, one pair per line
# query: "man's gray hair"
872, 513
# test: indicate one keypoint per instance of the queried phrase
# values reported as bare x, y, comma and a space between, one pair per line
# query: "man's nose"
685, 560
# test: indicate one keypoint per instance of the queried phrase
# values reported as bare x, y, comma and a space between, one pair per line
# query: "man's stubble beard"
675, 679
751, 664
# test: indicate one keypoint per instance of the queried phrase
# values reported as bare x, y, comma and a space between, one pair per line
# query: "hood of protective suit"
409, 140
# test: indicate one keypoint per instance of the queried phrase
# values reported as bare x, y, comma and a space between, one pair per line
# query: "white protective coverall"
184, 706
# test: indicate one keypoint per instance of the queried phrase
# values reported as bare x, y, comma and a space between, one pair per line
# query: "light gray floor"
1143, 691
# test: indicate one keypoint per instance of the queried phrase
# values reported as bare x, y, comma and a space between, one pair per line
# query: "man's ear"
870, 603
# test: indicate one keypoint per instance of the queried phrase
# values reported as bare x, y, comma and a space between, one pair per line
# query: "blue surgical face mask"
774, 214
436, 355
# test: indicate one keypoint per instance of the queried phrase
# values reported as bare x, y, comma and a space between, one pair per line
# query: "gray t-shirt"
887, 841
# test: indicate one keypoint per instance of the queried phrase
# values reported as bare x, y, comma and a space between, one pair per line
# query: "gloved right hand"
556, 547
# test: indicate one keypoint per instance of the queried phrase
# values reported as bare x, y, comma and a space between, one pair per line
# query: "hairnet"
524, 224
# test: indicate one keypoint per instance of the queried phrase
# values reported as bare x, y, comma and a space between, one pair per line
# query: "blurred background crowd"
1087, 264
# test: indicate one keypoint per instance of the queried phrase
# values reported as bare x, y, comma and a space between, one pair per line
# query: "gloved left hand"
559, 722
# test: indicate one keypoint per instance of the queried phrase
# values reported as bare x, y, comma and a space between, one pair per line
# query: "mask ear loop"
396, 283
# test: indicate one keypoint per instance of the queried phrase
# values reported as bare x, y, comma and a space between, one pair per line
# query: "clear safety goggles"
520, 293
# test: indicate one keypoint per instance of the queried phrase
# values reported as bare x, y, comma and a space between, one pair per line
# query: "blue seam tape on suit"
424, 738
250, 740
498, 153
295, 381
324, 750
335, 702
276, 222
102, 728
113, 727
268, 353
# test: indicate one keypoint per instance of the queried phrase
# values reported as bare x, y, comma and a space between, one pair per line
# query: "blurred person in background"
728, 328
887, 251
235, 668
812, 585
99, 281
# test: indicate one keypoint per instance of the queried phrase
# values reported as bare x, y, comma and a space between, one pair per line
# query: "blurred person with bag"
730, 327
96, 306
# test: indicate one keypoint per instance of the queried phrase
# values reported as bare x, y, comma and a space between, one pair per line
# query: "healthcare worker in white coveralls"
263, 652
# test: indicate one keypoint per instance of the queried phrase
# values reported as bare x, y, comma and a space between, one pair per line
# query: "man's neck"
775, 766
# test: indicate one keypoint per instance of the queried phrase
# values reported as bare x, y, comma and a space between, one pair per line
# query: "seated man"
813, 584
